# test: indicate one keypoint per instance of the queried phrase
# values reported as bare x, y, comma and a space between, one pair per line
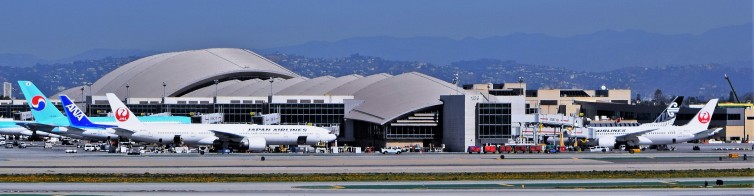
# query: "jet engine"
606, 142
254, 144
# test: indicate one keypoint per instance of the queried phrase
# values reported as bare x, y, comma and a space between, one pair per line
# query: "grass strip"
189, 178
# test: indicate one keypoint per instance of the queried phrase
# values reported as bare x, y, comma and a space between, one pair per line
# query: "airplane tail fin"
76, 116
704, 116
124, 118
670, 112
41, 108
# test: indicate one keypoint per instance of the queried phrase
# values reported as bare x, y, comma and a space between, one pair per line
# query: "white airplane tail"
703, 117
124, 118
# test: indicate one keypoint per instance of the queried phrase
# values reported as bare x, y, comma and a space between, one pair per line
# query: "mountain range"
599, 51
29, 60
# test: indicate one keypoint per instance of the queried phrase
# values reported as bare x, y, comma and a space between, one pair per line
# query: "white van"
599, 149
90, 147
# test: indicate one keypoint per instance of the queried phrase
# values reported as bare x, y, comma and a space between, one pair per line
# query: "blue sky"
56, 29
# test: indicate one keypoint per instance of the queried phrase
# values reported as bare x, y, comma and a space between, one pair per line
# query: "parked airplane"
48, 119
658, 133
667, 117
11, 127
239, 136
77, 118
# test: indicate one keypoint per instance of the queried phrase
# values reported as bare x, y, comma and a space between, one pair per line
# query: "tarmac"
518, 187
38, 160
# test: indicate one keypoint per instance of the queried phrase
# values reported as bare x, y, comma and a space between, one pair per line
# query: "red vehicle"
535, 148
490, 149
507, 149
522, 149
476, 149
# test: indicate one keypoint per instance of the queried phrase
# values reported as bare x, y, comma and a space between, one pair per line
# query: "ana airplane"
658, 133
238, 136
48, 119
80, 124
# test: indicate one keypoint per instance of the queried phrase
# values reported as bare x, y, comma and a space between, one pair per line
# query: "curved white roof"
392, 97
277, 86
325, 87
355, 85
209, 91
186, 71
297, 89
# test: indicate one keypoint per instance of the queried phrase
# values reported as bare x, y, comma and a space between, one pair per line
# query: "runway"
38, 160
381, 188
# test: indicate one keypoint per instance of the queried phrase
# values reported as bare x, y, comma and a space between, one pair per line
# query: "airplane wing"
707, 133
121, 132
37, 126
224, 135
75, 130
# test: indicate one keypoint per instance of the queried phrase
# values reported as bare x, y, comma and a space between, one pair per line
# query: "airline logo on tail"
673, 109
122, 114
704, 117
75, 111
38, 103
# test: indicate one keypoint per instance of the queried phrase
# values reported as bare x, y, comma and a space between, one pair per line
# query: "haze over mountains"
28, 60
598, 51
684, 64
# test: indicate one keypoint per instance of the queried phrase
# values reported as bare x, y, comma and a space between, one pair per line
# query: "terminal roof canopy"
186, 71
395, 96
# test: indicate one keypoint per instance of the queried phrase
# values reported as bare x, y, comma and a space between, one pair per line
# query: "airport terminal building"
240, 86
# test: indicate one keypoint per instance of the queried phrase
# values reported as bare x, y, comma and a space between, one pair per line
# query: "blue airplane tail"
76, 116
41, 108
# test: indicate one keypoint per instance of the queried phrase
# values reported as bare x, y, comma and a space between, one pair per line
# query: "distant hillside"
705, 81
599, 51
28, 60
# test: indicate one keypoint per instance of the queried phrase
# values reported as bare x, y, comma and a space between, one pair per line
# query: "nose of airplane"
330, 137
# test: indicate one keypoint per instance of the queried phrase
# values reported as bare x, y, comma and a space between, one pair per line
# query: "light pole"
216, 81
82, 94
520, 85
163, 95
269, 101
127, 96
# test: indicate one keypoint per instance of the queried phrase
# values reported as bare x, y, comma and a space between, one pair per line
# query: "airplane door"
301, 140
674, 140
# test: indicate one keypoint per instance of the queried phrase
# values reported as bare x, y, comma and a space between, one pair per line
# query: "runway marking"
508, 185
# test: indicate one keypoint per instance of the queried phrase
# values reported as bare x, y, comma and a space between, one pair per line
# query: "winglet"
124, 118
76, 116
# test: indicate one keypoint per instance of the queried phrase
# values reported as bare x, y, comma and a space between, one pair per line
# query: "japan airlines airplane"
666, 117
659, 133
239, 136
48, 119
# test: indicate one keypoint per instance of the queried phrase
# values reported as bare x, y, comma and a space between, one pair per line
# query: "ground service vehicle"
391, 150
473, 149
490, 149
507, 149
598, 149
90, 147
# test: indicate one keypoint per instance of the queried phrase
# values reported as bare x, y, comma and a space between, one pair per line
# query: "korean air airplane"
239, 136
48, 119
11, 127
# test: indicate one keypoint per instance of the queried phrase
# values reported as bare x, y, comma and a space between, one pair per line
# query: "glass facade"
493, 120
